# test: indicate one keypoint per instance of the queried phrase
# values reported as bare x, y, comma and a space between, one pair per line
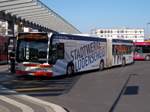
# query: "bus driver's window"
56, 52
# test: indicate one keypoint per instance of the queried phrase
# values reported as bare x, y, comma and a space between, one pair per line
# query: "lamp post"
147, 32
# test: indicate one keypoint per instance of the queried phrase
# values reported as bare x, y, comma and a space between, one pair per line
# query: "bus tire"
123, 62
101, 65
147, 58
70, 70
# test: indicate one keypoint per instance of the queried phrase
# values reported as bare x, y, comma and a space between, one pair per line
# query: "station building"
31, 15
135, 34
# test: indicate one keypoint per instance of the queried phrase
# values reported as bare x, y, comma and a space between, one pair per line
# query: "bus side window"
60, 51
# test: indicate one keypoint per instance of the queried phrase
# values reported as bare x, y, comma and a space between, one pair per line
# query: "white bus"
54, 54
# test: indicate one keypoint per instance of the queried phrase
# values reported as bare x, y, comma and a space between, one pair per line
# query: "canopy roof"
35, 11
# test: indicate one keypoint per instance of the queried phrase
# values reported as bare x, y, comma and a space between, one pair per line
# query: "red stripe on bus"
45, 65
20, 72
37, 73
30, 65
40, 73
138, 58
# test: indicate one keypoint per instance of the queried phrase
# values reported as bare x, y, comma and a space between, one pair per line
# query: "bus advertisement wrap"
87, 54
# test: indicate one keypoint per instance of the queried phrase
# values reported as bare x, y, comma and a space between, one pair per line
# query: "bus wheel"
70, 70
101, 65
123, 62
147, 58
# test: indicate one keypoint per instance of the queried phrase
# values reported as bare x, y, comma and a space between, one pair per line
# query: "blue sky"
88, 14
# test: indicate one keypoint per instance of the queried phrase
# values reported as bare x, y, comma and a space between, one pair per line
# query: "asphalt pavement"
119, 89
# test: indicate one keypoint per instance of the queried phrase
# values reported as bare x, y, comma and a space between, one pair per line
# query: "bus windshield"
32, 51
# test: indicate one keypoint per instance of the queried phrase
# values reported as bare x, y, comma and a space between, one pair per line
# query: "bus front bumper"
35, 73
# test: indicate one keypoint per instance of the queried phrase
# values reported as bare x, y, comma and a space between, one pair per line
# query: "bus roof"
78, 37
142, 43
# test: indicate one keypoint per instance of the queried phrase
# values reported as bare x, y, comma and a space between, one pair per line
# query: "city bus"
3, 50
142, 51
54, 54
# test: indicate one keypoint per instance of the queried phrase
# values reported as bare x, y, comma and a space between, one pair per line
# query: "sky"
86, 15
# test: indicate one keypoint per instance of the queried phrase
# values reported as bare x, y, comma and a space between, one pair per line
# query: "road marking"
39, 89
53, 106
23, 107
50, 107
4, 109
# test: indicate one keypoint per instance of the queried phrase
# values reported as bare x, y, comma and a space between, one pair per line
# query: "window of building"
101, 31
122, 31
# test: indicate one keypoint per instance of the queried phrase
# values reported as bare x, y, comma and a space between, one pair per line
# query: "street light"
147, 32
